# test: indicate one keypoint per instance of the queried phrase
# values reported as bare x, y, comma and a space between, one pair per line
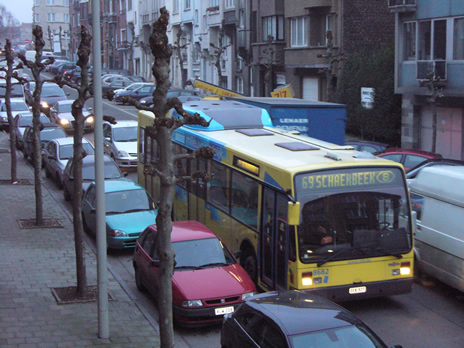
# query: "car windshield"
110, 169
352, 213
16, 91
129, 201
16, 106
52, 91
66, 151
346, 336
52, 133
201, 253
27, 120
125, 134
65, 107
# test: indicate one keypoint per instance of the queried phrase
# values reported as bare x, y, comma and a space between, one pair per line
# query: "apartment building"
53, 17
430, 39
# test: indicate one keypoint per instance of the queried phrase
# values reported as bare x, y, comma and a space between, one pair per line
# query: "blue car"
129, 210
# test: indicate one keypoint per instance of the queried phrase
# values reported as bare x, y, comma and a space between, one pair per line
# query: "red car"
407, 157
208, 282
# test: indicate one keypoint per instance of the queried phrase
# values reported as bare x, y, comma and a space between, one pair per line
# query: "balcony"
426, 67
402, 5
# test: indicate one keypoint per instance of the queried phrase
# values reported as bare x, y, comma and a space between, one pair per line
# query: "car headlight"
247, 294
123, 154
117, 233
192, 303
64, 121
44, 104
4, 118
89, 119
143, 102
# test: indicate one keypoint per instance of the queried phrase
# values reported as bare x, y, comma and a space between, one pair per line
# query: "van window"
417, 203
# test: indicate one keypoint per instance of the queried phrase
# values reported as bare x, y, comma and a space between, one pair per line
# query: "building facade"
430, 50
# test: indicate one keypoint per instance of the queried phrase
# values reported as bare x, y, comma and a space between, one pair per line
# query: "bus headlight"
404, 270
307, 278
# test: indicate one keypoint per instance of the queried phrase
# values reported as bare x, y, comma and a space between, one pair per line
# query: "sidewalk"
33, 261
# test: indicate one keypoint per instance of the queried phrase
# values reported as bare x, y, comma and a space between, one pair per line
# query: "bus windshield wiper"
333, 256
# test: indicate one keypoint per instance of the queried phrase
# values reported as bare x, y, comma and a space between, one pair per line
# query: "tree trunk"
434, 126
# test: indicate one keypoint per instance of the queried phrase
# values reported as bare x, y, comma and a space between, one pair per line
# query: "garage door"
311, 88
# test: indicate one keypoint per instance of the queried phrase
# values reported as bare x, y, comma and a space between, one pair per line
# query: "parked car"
139, 93
17, 106
207, 283
295, 319
407, 157
368, 146
131, 87
22, 120
111, 171
53, 68
75, 75
120, 142
57, 153
60, 113
137, 78
172, 93
67, 66
117, 84
129, 210
412, 173
17, 91
50, 131
51, 93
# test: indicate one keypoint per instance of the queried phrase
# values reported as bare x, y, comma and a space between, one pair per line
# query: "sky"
20, 9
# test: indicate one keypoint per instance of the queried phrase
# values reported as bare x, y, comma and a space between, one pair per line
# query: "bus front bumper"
355, 292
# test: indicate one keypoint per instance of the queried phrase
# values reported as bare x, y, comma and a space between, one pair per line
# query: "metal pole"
102, 276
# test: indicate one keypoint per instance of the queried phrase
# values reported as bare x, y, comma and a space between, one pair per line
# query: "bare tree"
435, 86
36, 68
218, 52
331, 72
161, 132
178, 47
50, 38
9, 73
268, 62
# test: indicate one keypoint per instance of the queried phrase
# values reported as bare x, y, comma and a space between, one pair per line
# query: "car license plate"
224, 310
358, 290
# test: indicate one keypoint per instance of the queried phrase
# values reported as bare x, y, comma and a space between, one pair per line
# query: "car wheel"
84, 225
66, 194
25, 155
138, 280
59, 183
47, 173
249, 264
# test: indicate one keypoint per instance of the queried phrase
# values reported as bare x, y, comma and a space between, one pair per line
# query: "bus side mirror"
293, 213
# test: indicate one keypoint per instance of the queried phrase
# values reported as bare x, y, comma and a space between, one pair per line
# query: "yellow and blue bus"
303, 214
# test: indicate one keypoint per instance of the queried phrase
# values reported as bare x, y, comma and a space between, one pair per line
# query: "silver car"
57, 153
120, 142
17, 106
61, 114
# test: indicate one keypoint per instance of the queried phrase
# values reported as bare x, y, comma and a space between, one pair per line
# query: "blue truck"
320, 120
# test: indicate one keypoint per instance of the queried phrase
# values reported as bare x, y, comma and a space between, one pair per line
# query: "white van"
437, 196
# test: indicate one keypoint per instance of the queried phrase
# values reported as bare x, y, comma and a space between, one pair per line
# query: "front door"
273, 244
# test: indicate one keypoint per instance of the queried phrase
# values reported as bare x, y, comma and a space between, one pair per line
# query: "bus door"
274, 241
197, 196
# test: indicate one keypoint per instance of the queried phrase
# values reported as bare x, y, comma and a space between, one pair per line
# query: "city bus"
301, 213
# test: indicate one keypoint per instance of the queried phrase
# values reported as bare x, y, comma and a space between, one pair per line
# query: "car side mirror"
237, 254
125, 174
93, 211
108, 139
155, 263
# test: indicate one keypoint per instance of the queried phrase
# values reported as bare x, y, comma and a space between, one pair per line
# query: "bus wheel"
248, 262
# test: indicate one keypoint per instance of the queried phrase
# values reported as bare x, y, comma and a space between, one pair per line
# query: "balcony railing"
402, 5
425, 68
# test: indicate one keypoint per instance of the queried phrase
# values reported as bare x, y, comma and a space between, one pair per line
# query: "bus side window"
218, 187
244, 205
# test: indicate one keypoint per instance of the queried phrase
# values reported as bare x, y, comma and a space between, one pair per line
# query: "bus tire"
248, 262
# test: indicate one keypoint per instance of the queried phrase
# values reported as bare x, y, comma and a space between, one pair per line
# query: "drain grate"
31, 223
68, 295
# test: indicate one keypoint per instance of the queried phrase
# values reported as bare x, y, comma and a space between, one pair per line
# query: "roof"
127, 123
288, 102
68, 141
122, 184
297, 312
450, 187
189, 230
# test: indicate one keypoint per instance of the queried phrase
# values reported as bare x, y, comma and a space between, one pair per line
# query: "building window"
273, 26
196, 18
37, 3
213, 3
129, 6
229, 3
51, 17
37, 17
50, 2
66, 18
239, 82
175, 6
187, 4
409, 41
196, 53
299, 31
432, 40
318, 30
458, 47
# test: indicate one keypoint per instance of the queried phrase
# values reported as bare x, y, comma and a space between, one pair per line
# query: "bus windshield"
352, 213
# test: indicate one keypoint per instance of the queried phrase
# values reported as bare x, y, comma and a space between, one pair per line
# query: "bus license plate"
224, 310
358, 290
